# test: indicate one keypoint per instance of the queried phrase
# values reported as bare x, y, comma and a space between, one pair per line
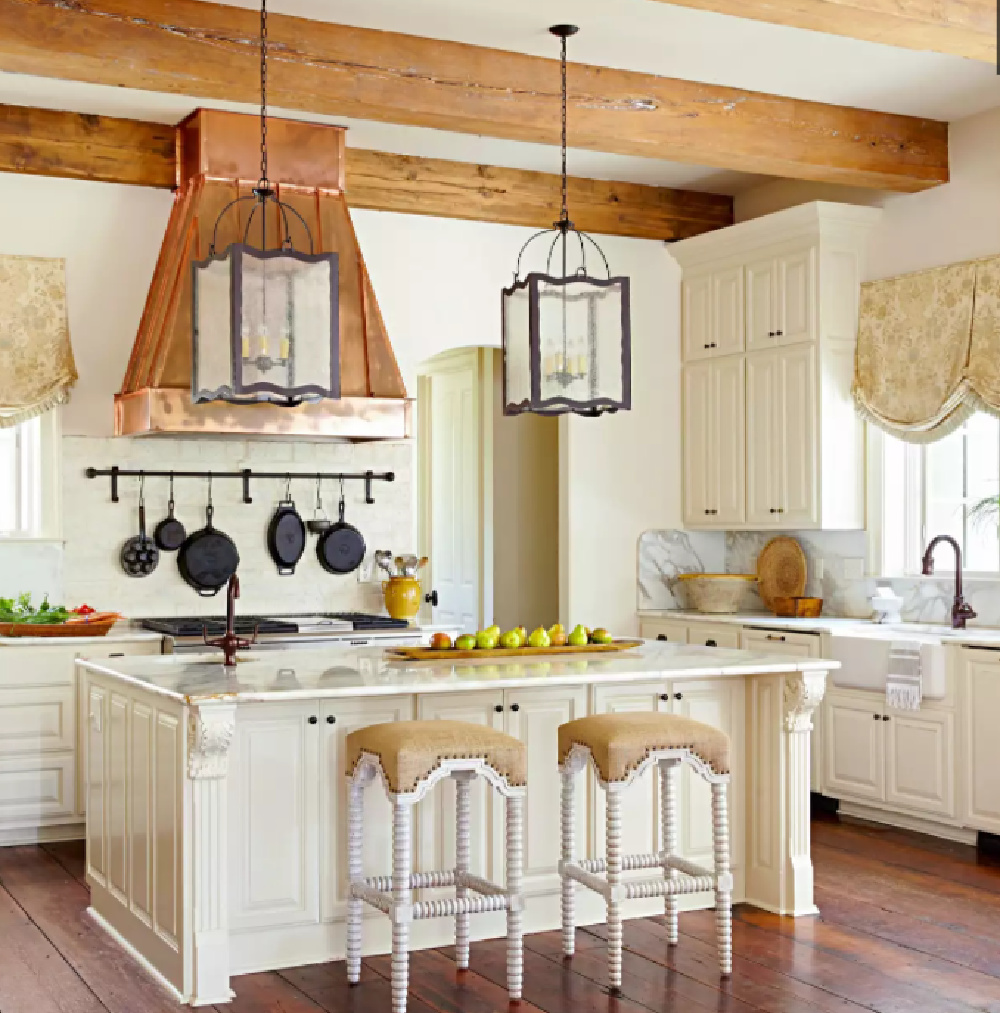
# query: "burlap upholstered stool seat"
411, 757
621, 747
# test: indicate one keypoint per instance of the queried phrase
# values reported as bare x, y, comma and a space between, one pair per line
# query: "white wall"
957, 221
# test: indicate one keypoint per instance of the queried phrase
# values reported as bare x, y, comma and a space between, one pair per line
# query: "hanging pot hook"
288, 486
340, 508
210, 489
170, 498
319, 496
142, 488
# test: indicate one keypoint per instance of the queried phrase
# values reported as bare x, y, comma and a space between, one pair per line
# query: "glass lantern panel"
286, 326
581, 341
212, 354
517, 345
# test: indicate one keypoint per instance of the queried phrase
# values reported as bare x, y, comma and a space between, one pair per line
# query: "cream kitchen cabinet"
708, 633
855, 746
803, 463
979, 755
715, 451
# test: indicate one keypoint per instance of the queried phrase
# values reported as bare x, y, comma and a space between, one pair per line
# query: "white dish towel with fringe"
903, 684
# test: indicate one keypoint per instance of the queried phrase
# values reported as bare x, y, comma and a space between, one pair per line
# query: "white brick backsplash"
94, 527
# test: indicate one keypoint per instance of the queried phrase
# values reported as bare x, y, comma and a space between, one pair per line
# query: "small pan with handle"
169, 534
139, 555
341, 547
208, 557
286, 534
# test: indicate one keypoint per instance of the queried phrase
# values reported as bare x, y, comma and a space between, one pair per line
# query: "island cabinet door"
854, 742
338, 718
641, 801
435, 821
274, 815
534, 716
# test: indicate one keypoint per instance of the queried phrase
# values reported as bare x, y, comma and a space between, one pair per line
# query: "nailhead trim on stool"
628, 745
409, 752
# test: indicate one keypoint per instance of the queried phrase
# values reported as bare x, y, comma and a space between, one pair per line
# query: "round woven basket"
715, 592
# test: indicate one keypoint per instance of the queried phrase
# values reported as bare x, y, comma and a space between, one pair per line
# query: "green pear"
466, 642
510, 639
601, 636
486, 640
539, 638
579, 638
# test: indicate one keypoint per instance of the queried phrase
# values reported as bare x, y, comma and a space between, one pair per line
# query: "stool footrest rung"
480, 885
370, 895
629, 863
451, 906
418, 880
692, 878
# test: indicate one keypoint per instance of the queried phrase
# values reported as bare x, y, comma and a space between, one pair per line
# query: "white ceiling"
644, 35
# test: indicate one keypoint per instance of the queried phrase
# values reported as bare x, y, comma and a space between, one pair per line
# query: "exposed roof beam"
208, 51
76, 146
959, 27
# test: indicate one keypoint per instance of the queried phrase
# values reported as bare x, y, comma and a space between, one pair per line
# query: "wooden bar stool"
411, 757
622, 747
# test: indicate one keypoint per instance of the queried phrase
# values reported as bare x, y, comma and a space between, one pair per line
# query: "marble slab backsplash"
836, 564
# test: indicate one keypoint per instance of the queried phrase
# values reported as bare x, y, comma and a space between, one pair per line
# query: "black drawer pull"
876, 716
313, 719
330, 719
498, 708
515, 707
117, 654
771, 636
885, 717
678, 696
664, 697
662, 636
711, 643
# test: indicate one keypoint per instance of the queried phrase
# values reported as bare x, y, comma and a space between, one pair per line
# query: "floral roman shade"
928, 352
36, 359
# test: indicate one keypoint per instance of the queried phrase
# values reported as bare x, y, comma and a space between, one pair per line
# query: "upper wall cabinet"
773, 303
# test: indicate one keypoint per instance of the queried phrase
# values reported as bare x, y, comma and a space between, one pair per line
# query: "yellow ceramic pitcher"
402, 597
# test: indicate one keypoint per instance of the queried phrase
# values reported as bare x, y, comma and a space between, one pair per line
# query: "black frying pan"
208, 558
341, 547
286, 537
169, 534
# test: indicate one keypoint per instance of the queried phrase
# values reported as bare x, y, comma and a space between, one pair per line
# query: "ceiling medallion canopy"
265, 317
566, 335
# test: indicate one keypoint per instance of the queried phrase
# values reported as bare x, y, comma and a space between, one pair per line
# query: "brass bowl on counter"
797, 608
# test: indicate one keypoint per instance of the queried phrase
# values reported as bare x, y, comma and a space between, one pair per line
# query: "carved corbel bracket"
803, 693
210, 733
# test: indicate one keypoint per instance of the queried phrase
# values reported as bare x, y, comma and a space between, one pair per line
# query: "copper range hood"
218, 159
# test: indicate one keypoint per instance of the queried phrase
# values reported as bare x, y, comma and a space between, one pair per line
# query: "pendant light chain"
263, 94
565, 198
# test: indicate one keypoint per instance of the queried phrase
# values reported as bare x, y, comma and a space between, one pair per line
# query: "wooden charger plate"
781, 571
451, 654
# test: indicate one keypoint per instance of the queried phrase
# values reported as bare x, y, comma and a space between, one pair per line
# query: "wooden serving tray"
451, 654
56, 629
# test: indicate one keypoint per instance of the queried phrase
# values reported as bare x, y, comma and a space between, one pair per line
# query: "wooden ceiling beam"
958, 27
208, 50
77, 146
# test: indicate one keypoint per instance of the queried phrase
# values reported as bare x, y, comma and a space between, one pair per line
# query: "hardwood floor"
910, 924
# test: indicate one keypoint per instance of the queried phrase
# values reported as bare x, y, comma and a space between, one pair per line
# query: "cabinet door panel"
700, 473
763, 388
854, 738
797, 296
36, 720
274, 816
728, 448
536, 723
714, 635
798, 501
920, 771
697, 317
436, 813
728, 312
762, 285
981, 743
35, 787
349, 715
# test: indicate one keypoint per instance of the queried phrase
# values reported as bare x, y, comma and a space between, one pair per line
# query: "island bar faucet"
229, 641
960, 608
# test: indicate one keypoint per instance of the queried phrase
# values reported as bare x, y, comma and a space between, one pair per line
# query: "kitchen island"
216, 797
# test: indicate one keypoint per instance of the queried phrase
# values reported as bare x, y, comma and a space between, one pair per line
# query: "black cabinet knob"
330, 719
773, 510
770, 334
778, 334
498, 708
313, 719
875, 717
664, 697
432, 598
885, 717
711, 643
678, 696
662, 636
515, 707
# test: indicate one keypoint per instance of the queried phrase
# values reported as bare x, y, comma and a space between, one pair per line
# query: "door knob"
432, 598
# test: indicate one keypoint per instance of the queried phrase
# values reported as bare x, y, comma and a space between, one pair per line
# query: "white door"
854, 740
728, 312
696, 315
451, 464
534, 716
763, 413
728, 453
347, 716
981, 741
436, 813
274, 816
920, 767
797, 310
762, 293
798, 502
700, 475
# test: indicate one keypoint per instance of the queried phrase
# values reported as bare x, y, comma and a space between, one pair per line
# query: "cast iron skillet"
341, 547
208, 558
169, 534
286, 536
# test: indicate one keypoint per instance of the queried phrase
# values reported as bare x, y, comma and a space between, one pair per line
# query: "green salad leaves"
20, 610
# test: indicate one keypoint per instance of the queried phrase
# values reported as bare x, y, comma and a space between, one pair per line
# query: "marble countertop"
342, 671
839, 626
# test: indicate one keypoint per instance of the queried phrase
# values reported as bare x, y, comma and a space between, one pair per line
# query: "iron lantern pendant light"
566, 336
265, 321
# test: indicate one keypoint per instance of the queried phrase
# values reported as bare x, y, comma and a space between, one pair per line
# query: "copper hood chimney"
218, 158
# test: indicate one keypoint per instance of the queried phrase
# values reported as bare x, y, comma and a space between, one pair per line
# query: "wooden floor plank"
57, 903
71, 855
34, 977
